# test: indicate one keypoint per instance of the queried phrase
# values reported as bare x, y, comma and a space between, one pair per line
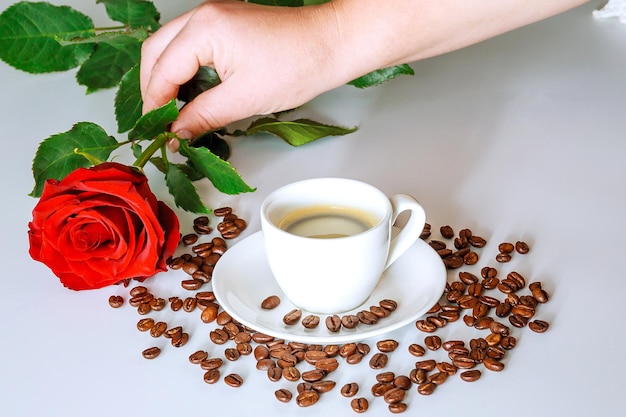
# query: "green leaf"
154, 122
112, 37
187, 168
213, 142
221, 174
288, 3
133, 13
380, 76
297, 132
128, 101
109, 62
183, 191
29, 33
205, 79
56, 156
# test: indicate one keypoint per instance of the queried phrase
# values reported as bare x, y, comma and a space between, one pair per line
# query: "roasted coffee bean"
312, 356
426, 231
189, 304
480, 311
426, 388
432, 342
454, 296
198, 356
437, 245
387, 345
157, 304
504, 309
538, 293
139, 299
459, 286
211, 376
265, 364
367, 317
283, 395
209, 314
508, 342
292, 317
538, 326
349, 321
218, 336
233, 380
378, 360
503, 257
427, 364
461, 243
477, 241
151, 352
355, 358
380, 388
347, 350
323, 386
222, 211
447, 231
453, 262
189, 239
493, 364
447, 368
231, 354
426, 326
176, 303
176, 263
522, 247
304, 386
379, 312
490, 283
363, 348
467, 301
448, 345
286, 360
489, 301
138, 290
394, 395
470, 258
418, 376
488, 272
146, 324
402, 382
387, 377
291, 373
350, 389
449, 315
180, 339
158, 329
495, 352
438, 378
471, 375
439, 322
116, 301
274, 373
416, 350
468, 278
144, 308
261, 352
313, 375
270, 302
211, 363
311, 321
517, 278
359, 405
333, 323
463, 362
398, 408
327, 365
388, 304
192, 284
523, 311
506, 247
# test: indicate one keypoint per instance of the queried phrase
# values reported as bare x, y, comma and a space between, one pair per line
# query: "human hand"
268, 59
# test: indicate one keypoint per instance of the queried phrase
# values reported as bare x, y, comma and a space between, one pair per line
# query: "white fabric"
614, 8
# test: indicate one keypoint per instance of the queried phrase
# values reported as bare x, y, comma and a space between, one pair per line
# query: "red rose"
102, 225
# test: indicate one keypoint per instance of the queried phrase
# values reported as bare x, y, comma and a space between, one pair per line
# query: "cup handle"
411, 231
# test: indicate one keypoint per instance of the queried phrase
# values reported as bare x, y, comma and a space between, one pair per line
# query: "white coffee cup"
329, 240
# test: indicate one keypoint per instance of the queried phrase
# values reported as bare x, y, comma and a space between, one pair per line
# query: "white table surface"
520, 137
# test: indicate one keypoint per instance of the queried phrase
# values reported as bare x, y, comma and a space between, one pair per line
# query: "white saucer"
242, 280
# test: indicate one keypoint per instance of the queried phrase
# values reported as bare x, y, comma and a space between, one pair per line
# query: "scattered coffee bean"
307, 398
212, 376
151, 352
233, 380
432, 342
538, 326
359, 405
522, 247
333, 323
116, 301
471, 375
350, 389
447, 232
283, 395
270, 302
310, 321
292, 317
387, 345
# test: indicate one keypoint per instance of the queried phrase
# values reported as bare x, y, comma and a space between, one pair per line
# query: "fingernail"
184, 134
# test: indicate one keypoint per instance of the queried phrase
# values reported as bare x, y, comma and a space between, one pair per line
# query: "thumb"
213, 109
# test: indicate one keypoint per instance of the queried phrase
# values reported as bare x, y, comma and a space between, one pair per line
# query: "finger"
213, 109
165, 64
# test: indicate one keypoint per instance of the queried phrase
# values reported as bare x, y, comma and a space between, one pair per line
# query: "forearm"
376, 34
